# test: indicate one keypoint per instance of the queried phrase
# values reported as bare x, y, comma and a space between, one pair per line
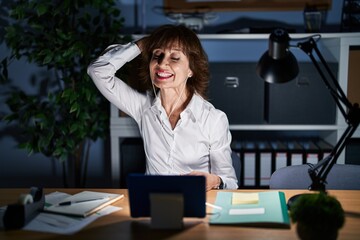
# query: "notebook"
83, 203
260, 209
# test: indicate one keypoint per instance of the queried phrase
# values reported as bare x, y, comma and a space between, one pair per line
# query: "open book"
257, 209
84, 203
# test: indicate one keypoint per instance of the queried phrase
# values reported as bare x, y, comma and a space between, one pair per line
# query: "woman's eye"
175, 58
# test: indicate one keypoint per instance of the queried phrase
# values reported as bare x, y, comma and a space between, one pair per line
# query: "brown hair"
166, 36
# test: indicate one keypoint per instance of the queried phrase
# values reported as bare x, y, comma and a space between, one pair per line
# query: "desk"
120, 225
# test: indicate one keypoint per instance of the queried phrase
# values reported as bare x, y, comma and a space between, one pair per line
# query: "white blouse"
199, 142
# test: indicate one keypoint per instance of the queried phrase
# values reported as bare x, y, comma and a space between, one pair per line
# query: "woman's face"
169, 67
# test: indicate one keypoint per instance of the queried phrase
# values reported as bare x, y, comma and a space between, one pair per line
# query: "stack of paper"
84, 203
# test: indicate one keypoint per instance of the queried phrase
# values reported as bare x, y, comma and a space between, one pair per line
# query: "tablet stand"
17, 215
166, 210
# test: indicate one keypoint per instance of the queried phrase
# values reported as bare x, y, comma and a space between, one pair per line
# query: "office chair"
237, 165
341, 176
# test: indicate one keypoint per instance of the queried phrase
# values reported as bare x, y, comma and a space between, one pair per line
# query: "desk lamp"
279, 65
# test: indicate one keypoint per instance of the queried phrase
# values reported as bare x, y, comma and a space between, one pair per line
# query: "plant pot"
306, 232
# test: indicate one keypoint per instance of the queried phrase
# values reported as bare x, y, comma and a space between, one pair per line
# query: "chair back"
341, 176
237, 166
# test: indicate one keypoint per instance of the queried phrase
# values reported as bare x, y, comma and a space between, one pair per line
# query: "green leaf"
70, 143
58, 151
67, 53
67, 93
41, 9
63, 157
74, 127
74, 107
48, 58
64, 34
40, 115
11, 117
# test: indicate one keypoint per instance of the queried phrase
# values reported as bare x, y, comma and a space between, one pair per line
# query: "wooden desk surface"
120, 225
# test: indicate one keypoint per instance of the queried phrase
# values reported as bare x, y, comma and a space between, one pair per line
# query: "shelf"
265, 127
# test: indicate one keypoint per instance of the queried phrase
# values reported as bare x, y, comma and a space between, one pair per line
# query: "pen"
80, 201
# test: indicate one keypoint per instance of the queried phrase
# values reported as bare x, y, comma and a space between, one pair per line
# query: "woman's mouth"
163, 75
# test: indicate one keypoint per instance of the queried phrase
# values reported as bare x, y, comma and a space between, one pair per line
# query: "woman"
182, 132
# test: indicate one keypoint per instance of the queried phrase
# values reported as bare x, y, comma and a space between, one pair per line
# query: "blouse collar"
193, 109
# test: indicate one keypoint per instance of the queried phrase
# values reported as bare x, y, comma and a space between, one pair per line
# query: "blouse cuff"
121, 54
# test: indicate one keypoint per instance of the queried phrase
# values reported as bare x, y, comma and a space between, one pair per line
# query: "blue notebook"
259, 209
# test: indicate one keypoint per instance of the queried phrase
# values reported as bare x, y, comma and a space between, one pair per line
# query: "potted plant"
317, 216
68, 113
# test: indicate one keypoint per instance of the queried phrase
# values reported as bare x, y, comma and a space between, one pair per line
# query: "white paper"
312, 158
82, 209
56, 197
249, 168
280, 160
246, 211
265, 168
296, 159
60, 224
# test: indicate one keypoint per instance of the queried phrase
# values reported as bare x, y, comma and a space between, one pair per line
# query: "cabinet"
242, 49
350, 21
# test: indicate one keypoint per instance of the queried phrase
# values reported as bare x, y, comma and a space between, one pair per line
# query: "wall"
17, 169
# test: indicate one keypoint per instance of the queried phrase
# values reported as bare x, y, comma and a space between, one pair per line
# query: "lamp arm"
335, 89
351, 115
317, 176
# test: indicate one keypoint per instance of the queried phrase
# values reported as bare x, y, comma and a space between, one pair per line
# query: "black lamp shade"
277, 70
278, 64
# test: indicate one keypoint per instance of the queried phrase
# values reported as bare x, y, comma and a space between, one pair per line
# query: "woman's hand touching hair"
141, 43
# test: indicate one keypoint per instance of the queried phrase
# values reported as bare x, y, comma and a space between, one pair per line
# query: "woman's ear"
190, 74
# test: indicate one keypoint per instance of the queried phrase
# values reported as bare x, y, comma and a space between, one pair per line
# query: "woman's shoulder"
208, 108
207, 104
208, 116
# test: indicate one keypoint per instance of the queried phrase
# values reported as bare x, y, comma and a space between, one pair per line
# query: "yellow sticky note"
245, 198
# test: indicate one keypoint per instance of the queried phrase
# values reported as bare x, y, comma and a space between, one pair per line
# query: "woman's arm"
220, 151
102, 71
222, 173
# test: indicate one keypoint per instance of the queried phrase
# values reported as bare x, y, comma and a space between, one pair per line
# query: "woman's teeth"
164, 75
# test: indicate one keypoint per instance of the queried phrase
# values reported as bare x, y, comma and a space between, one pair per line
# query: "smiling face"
169, 67
171, 54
